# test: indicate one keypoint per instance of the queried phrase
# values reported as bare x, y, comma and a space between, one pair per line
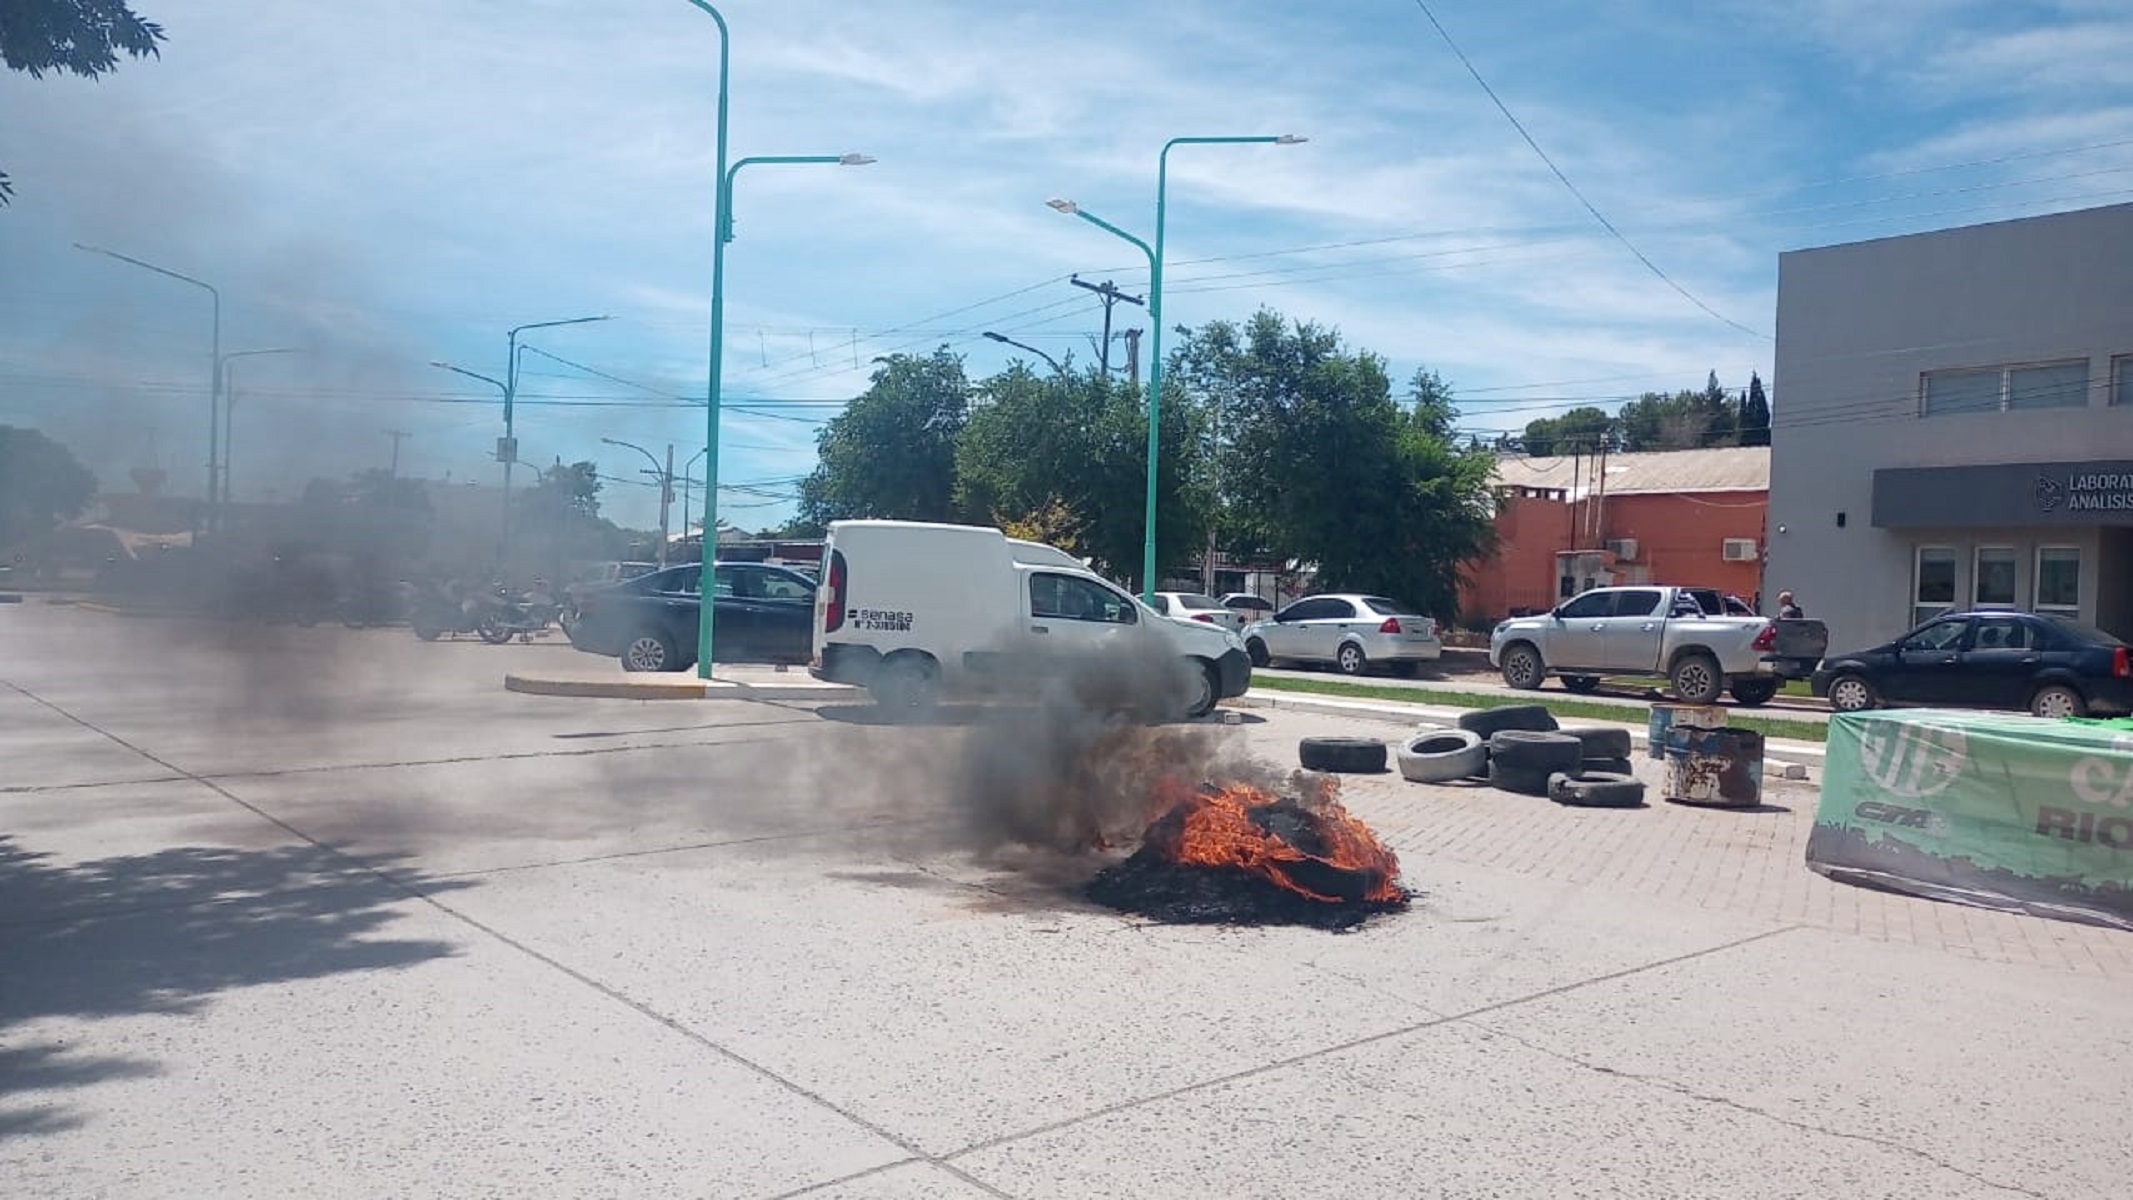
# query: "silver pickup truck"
1682, 634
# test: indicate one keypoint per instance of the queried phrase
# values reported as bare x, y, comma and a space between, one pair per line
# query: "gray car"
1351, 631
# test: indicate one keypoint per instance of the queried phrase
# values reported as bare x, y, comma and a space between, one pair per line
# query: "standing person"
1789, 609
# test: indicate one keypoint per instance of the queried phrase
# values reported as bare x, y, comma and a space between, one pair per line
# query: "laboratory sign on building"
2005, 494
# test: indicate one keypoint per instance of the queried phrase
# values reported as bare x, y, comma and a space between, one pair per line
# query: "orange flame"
1245, 827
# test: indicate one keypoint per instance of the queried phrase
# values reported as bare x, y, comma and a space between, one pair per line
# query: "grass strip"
1769, 727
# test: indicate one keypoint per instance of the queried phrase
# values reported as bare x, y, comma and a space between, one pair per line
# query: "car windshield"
2083, 633
1385, 607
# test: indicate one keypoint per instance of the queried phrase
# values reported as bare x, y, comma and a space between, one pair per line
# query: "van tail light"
833, 593
2122, 663
1391, 625
1768, 638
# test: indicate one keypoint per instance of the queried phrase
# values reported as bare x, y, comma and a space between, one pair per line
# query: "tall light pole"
214, 392
665, 476
1005, 340
229, 407
1155, 316
693, 460
705, 631
508, 448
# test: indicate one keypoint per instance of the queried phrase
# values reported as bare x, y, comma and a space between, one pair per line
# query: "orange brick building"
1565, 524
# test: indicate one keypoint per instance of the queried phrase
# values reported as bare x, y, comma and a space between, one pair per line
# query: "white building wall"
1857, 327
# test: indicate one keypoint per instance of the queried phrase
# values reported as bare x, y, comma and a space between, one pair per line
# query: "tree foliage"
77, 37
891, 452
1581, 430
1068, 453
41, 484
1755, 414
1316, 461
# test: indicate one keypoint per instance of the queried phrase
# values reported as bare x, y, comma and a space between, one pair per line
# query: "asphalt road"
329, 913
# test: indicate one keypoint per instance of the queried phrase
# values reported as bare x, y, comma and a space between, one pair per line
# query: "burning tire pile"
1237, 854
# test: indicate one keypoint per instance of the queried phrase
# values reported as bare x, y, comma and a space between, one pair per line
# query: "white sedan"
1192, 606
1352, 632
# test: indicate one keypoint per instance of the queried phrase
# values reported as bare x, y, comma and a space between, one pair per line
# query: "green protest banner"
1994, 809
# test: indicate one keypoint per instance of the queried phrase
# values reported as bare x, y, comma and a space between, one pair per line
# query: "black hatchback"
763, 613
2051, 666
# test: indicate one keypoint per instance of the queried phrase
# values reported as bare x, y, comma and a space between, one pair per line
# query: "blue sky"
389, 183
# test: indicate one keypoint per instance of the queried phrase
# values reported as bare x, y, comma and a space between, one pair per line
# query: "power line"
1606, 224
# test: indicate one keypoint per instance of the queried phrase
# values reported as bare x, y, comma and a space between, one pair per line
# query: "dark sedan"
2051, 666
763, 614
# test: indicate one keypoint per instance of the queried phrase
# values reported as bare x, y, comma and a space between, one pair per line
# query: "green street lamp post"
229, 408
214, 394
1155, 317
508, 448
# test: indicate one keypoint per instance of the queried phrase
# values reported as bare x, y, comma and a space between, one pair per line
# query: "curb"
10, 597
1782, 759
684, 687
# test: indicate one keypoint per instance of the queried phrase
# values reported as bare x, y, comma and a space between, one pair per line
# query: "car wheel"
1581, 684
1522, 668
908, 683
1850, 693
428, 632
1207, 691
1256, 649
1696, 680
2055, 700
650, 651
1350, 659
1342, 755
1755, 693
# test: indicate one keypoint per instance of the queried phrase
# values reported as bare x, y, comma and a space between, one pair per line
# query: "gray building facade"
1953, 425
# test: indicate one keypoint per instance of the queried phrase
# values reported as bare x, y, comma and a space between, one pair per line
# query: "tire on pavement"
1490, 721
1526, 781
1529, 750
1596, 791
1581, 684
1607, 766
1600, 741
1441, 756
1342, 755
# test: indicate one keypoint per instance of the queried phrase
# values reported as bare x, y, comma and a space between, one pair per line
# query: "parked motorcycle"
505, 617
435, 611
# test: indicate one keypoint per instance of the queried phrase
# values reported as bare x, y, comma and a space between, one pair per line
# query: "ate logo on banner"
1911, 761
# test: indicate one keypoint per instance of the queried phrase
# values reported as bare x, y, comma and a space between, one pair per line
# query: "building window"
2007, 388
1993, 582
1934, 590
2059, 385
2059, 580
2122, 380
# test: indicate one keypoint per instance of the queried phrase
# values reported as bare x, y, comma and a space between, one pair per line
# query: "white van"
914, 611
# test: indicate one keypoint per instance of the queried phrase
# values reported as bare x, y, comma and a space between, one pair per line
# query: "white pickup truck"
1682, 634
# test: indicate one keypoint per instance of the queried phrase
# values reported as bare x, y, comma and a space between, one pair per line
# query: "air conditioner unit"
1739, 550
1623, 548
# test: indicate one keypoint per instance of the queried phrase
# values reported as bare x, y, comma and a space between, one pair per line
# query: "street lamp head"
998, 337
1066, 206
1291, 139
438, 362
856, 160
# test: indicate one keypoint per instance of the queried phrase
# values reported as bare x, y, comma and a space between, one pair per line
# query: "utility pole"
1133, 357
666, 501
1108, 292
398, 436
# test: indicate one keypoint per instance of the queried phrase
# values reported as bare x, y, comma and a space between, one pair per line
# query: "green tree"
1755, 414
1318, 462
41, 484
1581, 431
77, 37
891, 452
1067, 454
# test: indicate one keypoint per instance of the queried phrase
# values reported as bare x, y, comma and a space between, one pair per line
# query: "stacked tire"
1522, 760
1604, 777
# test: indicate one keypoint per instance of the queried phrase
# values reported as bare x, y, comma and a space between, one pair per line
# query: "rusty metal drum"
1719, 768
1666, 717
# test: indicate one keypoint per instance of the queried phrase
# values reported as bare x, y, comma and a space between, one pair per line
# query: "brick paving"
1747, 862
